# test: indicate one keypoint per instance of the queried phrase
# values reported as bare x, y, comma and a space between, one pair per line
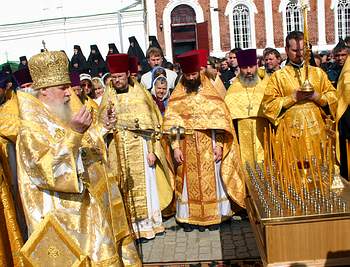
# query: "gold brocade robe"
11, 236
136, 104
305, 118
219, 86
62, 174
262, 72
90, 104
200, 113
343, 90
244, 104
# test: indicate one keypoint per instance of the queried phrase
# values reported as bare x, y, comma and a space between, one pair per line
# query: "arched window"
294, 18
343, 17
241, 14
183, 14
241, 26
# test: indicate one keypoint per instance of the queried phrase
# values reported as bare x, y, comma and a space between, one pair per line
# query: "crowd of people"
103, 150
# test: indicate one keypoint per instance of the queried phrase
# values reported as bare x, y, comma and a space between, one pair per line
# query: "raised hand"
81, 121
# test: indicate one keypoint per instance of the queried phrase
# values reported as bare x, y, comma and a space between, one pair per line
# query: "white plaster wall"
64, 23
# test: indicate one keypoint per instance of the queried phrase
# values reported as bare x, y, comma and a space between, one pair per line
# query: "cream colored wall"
64, 23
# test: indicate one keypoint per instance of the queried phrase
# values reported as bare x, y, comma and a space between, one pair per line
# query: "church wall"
61, 25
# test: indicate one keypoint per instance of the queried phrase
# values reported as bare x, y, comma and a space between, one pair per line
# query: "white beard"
62, 111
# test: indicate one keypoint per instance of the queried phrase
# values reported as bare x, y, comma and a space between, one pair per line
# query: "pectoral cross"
249, 108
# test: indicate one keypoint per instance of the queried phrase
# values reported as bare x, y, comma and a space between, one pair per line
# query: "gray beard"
249, 82
62, 111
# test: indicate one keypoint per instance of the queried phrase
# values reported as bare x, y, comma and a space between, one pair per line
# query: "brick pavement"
233, 241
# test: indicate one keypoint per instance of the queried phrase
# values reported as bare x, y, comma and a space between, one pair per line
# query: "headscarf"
160, 103
156, 70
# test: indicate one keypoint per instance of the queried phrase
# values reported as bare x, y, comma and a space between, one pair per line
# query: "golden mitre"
49, 68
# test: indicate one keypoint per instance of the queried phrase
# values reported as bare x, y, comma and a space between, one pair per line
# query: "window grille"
241, 26
343, 13
294, 18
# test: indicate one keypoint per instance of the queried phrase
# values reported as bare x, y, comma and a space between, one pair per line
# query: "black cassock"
344, 134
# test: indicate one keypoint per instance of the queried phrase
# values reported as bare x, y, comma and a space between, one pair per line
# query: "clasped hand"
300, 95
179, 157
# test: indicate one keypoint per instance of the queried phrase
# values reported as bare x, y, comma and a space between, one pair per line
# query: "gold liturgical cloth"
244, 104
136, 105
201, 113
305, 118
11, 235
50, 246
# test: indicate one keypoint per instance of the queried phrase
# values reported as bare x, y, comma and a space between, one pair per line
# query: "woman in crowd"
98, 88
160, 92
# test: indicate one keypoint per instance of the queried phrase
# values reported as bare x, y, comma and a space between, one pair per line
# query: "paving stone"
170, 233
192, 257
203, 234
181, 239
242, 255
241, 250
226, 236
204, 257
182, 244
237, 237
204, 242
228, 253
157, 244
192, 252
247, 230
204, 250
170, 242
233, 241
249, 235
254, 253
180, 250
216, 257
216, 244
239, 243
180, 256
180, 234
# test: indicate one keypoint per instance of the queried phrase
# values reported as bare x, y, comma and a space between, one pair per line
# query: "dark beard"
191, 85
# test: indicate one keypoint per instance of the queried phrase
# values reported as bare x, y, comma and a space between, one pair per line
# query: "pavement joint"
233, 240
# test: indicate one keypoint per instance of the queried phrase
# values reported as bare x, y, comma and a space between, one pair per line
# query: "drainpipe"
119, 18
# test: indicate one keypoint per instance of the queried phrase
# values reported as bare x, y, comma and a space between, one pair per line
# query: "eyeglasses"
86, 85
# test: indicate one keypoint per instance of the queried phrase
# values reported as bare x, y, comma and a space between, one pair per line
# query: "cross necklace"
250, 106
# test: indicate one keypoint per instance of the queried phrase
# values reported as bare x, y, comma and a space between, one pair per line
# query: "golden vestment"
62, 174
342, 127
11, 236
262, 72
90, 104
305, 118
219, 86
200, 113
244, 104
137, 118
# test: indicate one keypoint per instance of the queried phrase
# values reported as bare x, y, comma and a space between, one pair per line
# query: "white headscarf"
153, 90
